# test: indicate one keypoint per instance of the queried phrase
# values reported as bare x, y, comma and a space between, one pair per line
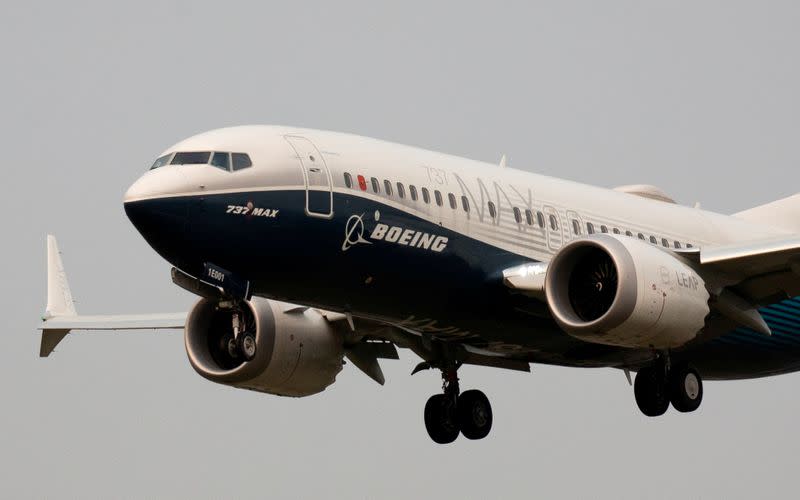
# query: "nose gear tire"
247, 346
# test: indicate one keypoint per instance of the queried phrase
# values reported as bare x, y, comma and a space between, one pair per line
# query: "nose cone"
160, 216
158, 183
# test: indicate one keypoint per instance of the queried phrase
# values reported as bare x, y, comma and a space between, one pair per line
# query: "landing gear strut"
661, 383
453, 412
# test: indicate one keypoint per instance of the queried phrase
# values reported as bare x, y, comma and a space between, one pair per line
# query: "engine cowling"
298, 353
616, 290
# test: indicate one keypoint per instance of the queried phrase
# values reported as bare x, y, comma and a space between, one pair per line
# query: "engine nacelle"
298, 352
621, 291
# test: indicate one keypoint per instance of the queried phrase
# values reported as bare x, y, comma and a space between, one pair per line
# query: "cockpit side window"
191, 158
161, 161
221, 160
240, 161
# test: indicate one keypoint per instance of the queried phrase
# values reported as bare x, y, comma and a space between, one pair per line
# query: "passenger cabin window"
161, 161
240, 161
221, 160
387, 186
452, 198
654, 240
529, 216
603, 229
677, 244
401, 190
641, 236
191, 158
689, 245
540, 219
628, 233
616, 231
665, 242
553, 223
590, 228
465, 203
348, 180
376, 188
576, 227
517, 215
426, 196
413, 191
362, 183
438, 196
492, 210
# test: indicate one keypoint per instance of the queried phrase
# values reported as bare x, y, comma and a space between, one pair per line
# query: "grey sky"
698, 97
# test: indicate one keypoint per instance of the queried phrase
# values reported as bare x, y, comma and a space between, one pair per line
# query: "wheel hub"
691, 386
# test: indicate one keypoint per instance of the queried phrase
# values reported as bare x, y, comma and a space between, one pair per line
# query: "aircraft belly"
381, 262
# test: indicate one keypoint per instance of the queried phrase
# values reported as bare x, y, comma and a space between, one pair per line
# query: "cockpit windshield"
161, 161
191, 158
228, 162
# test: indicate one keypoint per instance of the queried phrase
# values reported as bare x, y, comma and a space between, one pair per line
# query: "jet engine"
297, 351
621, 291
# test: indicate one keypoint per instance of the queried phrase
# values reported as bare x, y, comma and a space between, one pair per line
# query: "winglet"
59, 298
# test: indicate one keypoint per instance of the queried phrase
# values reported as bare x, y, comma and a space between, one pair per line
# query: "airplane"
307, 247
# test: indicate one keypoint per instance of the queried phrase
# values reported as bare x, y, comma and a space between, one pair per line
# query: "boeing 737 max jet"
306, 247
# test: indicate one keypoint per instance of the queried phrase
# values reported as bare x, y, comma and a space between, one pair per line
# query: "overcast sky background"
697, 97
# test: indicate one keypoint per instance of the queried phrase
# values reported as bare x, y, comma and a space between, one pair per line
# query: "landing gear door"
317, 177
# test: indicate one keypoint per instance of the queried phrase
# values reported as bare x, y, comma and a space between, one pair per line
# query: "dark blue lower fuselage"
455, 294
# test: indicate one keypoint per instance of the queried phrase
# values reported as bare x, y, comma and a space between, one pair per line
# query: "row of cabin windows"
538, 218
413, 193
576, 228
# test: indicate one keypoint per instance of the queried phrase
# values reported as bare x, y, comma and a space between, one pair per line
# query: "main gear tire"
651, 392
441, 419
685, 388
474, 414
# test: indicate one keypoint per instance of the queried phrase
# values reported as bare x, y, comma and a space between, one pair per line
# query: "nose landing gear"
660, 384
242, 343
453, 412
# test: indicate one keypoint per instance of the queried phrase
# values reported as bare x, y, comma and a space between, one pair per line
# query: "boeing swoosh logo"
354, 232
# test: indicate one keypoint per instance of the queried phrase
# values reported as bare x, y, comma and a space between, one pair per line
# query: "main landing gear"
454, 412
660, 384
242, 343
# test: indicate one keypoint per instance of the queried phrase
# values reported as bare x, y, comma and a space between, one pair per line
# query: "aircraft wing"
173, 321
55, 328
61, 317
759, 270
